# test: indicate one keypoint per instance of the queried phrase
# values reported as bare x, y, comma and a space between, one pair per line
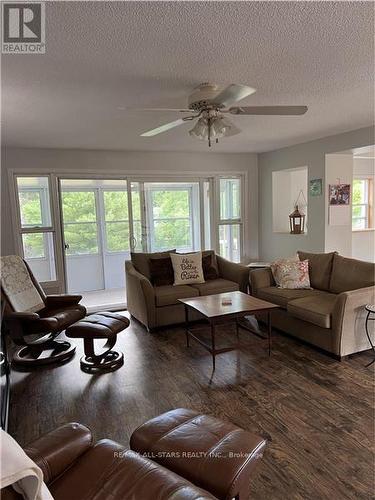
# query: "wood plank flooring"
316, 412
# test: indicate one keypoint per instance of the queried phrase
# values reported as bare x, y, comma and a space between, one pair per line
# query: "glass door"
102, 223
82, 237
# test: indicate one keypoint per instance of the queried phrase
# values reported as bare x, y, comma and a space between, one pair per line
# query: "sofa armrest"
261, 278
62, 300
233, 272
140, 296
348, 320
55, 451
22, 316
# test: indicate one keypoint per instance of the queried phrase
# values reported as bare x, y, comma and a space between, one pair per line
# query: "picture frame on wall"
316, 187
339, 194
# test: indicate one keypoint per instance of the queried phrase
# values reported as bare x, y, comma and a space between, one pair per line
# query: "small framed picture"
339, 194
316, 187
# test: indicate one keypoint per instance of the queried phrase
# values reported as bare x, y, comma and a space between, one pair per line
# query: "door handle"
66, 246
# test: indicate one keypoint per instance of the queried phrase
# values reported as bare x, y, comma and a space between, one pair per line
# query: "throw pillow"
187, 268
276, 266
209, 269
161, 271
294, 274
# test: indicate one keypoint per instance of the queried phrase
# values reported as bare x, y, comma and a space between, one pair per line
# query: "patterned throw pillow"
294, 275
187, 268
277, 265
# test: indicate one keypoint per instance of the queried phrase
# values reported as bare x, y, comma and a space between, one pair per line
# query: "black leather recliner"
36, 332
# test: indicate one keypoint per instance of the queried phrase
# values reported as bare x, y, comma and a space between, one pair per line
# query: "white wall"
82, 161
286, 188
310, 154
363, 242
339, 170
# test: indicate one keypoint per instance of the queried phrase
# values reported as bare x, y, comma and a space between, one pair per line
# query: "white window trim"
129, 176
241, 221
368, 206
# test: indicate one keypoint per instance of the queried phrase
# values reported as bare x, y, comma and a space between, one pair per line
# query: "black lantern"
297, 222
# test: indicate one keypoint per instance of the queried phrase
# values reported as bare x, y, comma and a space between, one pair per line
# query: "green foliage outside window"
33, 245
79, 206
359, 210
175, 232
30, 207
170, 213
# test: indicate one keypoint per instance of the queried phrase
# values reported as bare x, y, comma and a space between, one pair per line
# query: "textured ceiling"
102, 56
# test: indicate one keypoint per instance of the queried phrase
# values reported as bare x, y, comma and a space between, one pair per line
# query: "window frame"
47, 229
148, 192
368, 204
128, 173
234, 220
102, 191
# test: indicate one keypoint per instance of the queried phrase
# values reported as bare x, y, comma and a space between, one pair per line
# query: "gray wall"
310, 154
84, 161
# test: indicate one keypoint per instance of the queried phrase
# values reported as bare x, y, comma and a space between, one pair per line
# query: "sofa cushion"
161, 271
141, 260
168, 295
281, 296
351, 274
219, 285
320, 268
209, 265
316, 309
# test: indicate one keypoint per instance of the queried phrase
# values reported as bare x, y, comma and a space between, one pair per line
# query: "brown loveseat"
331, 315
158, 305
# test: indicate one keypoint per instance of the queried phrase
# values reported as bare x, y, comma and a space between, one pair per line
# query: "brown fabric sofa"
156, 306
331, 315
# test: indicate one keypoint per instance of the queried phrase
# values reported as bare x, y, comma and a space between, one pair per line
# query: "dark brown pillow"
161, 271
209, 270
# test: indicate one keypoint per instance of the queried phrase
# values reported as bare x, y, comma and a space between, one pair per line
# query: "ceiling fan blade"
233, 93
163, 128
177, 110
268, 110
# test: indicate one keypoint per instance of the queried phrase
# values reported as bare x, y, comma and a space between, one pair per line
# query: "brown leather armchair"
75, 468
36, 331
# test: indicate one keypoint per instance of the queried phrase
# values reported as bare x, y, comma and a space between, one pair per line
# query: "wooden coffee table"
212, 309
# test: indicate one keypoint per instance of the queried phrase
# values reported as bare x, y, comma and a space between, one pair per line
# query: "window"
80, 224
170, 216
116, 220
230, 221
37, 233
362, 204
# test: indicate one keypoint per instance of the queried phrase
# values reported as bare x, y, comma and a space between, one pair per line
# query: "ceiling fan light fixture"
219, 128
200, 129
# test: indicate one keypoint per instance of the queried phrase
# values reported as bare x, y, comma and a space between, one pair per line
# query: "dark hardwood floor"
316, 412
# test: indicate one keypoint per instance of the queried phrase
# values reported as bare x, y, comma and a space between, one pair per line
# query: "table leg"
369, 338
213, 351
269, 333
237, 329
187, 325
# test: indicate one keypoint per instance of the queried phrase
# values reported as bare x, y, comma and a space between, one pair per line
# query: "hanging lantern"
297, 222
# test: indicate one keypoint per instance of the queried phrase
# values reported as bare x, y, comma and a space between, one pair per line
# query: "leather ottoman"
104, 325
214, 455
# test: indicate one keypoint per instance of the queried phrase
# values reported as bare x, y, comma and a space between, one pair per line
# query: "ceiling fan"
208, 104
